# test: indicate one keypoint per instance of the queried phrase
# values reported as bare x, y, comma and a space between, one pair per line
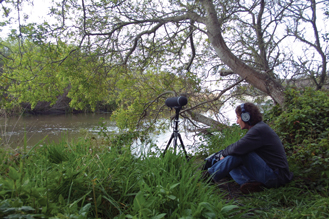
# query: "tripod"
176, 135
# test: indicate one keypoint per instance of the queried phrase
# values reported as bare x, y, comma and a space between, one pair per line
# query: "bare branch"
192, 47
215, 98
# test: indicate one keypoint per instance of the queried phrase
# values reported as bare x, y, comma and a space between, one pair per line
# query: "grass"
301, 198
287, 202
84, 180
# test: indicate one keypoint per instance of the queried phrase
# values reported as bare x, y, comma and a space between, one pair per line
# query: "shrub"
302, 125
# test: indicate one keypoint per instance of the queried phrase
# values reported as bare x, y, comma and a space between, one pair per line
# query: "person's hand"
221, 157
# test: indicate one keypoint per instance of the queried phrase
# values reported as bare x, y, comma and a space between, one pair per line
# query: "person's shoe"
251, 187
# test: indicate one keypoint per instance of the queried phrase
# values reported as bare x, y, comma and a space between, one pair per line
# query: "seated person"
257, 159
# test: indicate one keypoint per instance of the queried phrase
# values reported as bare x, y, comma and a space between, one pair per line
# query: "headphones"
245, 116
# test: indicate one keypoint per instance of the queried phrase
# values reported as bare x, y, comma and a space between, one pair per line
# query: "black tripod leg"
171, 138
182, 144
175, 141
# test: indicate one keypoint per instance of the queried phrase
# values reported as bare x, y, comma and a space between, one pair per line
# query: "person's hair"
252, 109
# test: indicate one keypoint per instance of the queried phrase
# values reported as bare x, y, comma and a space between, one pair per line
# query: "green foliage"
219, 140
294, 200
287, 202
305, 114
303, 128
84, 181
34, 72
118, 141
31, 75
141, 95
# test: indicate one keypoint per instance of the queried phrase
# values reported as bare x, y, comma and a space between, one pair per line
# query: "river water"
69, 128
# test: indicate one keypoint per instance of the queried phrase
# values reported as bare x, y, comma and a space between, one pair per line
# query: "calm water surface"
54, 127
68, 127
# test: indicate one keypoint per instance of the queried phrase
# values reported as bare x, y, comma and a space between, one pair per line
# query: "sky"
38, 12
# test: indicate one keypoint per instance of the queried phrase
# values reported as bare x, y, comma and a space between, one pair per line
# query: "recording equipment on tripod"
177, 103
174, 102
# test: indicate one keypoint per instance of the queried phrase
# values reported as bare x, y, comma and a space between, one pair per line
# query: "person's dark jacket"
267, 144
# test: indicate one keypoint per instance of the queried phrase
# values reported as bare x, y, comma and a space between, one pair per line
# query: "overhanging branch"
215, 98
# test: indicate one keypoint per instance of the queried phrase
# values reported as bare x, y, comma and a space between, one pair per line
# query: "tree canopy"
141, 51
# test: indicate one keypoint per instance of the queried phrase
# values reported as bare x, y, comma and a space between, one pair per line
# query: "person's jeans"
243, 169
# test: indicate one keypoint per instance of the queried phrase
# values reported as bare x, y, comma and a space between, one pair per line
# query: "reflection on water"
54, 127
57, 127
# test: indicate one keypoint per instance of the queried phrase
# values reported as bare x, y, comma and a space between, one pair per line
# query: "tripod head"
176, 103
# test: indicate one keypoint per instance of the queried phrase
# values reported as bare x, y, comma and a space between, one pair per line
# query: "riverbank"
60, 107
86, 180
97, 182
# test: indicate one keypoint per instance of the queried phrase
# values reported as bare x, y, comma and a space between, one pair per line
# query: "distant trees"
43, 72
206, 47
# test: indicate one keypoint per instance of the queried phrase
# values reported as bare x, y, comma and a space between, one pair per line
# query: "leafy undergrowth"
286, 202
294, 200
303, 128
82, 181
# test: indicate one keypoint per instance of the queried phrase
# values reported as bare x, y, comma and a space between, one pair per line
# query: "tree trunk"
261, 81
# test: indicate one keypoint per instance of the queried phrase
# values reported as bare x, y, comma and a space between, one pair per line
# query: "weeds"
287, 202
219, 140
85, 180
81, 181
